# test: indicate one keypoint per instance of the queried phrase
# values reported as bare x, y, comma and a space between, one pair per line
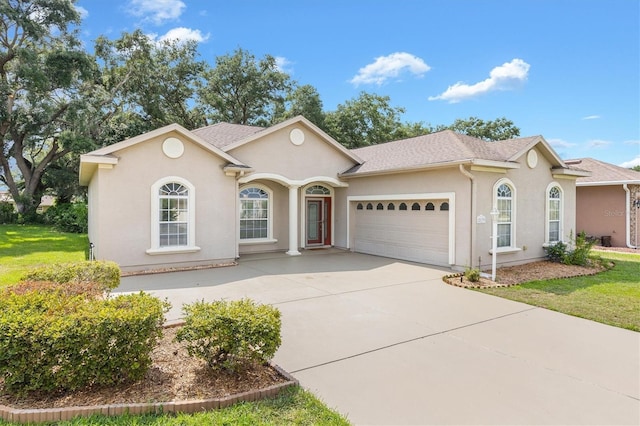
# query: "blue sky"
567, 70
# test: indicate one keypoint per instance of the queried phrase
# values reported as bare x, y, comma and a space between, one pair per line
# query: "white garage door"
411, 230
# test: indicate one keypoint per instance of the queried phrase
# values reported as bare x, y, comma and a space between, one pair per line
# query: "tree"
45, 81
636, 168
304, 100
366, 120
244, 90
492, 130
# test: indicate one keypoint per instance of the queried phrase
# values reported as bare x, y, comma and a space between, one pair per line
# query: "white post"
494, 241
293, 221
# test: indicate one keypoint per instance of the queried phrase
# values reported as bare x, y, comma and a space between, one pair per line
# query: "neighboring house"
45, 202
175, 198
608, 203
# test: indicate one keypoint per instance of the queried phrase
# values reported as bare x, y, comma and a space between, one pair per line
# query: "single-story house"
177, 198
608, 203
45, 202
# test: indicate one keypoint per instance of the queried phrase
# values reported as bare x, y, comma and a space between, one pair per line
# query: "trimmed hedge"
106, 273
52, 341
231, 334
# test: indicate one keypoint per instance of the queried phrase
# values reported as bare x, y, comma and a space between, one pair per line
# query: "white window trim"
269, 239
155, 219
548, 243
513, 247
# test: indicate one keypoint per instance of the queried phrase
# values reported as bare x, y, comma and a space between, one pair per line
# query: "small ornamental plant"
472, 275
230, 335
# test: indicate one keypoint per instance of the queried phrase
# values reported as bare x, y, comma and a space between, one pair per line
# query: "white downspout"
472, 178
628, 219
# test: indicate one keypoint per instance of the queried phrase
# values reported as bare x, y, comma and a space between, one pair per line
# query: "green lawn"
611, 297
293, 406
24, 246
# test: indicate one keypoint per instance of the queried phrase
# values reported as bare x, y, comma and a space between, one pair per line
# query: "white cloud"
82, 11
634, 142
503, 77
560, 143
386, 67
181, 34
157, 11
631, 163
284, 65
598, 143
591, 117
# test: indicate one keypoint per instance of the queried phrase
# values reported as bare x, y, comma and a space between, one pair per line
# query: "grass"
291, 406
611, 297
25, 246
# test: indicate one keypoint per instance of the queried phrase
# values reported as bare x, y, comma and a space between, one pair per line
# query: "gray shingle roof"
223, 134
603, 172
433, 149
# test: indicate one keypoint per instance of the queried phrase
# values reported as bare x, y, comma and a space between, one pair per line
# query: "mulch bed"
174, 376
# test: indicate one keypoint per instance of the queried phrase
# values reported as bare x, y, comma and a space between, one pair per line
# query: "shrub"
472, 275
582, 249
230, 334
89, 289
557, 252
50, 341
106, 273
68, 217
7, 213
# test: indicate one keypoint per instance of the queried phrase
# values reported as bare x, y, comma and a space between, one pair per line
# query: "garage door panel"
415, 235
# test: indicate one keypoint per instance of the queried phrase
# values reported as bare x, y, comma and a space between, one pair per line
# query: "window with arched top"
359, 206
403, 206
318, 190
369, 206
504, 200
255, 213
391, 206
415, 206
379, 206
554, 214
430, 206
173, 221
444, 206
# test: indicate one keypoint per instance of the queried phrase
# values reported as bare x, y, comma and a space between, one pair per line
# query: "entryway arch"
317, 215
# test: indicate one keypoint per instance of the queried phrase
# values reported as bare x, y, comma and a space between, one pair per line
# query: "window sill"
258, 241
173, 250
506, 250
547, 245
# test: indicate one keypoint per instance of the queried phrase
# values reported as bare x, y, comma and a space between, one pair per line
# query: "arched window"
379, 206
403, 206
255, 213
359, 206
415, 206
369, 206
444, 206
504, 196
318, 190
391, 206
554, 214
173, 218
430, 206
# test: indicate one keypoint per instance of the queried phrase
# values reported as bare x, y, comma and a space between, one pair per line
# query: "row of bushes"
58, 332
68, 217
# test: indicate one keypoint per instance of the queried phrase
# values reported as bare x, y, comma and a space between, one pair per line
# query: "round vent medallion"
532, 159
296, 136
173, 147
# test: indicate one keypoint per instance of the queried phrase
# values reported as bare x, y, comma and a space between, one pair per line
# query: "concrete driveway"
387, 342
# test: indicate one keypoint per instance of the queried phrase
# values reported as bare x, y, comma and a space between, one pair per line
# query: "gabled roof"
231, 136
603, 173
443, 149
90, 161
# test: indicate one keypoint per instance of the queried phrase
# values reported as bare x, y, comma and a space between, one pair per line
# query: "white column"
293, 221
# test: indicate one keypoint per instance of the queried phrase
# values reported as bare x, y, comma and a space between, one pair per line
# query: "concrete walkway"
387, 342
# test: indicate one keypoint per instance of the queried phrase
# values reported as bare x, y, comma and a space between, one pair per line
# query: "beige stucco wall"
276, 154
121, 216
531, 198
602, 211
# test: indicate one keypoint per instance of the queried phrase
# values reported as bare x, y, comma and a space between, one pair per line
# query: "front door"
319, 221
